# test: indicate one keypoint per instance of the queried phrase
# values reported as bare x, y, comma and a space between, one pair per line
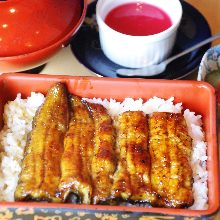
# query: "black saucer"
193, 29
35, 70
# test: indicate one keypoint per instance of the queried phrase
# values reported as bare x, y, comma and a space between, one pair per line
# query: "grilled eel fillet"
170, 150
40, 175
78, 151
103, 161
132, 177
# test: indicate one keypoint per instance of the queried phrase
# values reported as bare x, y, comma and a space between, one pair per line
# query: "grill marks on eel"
104, 160
40, 173
146, 159
132, 178
88, 162
78, 152
170, 149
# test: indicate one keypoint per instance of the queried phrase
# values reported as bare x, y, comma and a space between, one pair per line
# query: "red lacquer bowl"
31, 31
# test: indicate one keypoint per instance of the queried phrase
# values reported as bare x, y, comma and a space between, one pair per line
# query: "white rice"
18, 116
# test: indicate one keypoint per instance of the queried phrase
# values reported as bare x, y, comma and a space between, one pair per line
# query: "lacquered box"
197, 96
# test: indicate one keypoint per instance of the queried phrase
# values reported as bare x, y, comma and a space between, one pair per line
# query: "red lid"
29, 25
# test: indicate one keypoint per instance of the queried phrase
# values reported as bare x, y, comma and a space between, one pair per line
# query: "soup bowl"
31, 32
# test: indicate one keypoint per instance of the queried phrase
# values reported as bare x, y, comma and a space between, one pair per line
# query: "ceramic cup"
209, 63
137, 51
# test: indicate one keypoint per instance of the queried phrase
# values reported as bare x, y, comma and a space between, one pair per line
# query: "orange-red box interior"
197, 96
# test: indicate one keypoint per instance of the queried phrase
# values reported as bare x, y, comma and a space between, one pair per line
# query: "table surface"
210, 9
64, 62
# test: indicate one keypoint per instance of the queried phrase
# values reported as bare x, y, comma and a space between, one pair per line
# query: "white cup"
137, 51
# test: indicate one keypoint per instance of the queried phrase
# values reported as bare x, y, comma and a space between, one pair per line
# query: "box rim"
171, 211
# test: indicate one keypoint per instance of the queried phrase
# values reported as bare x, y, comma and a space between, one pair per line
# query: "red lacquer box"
197, 96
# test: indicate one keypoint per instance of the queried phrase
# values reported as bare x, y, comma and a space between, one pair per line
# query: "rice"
198, 161
18, 116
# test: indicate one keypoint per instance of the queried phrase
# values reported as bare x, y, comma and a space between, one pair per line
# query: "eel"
78, 153
170, 150
132, 178
104, 160
40, 174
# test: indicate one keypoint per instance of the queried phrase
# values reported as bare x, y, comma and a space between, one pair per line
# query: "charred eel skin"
132, 178
149, 161
104, 160
170, 150
40, 175
78, 152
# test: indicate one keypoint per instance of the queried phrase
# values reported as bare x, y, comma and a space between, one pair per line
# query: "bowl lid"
29, 25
